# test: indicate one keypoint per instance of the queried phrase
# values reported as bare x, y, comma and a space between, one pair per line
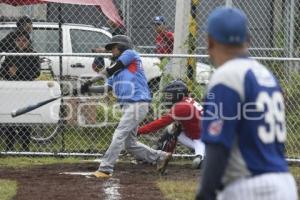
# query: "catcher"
183, 120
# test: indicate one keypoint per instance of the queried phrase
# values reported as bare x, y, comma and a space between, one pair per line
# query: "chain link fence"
66, 35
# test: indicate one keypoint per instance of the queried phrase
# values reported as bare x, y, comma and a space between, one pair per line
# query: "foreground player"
244, 120
187, 112
128, 82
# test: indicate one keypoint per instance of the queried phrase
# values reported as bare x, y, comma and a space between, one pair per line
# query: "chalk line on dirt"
111, 189
78, 173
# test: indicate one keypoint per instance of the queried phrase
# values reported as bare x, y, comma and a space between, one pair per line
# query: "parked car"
78, 38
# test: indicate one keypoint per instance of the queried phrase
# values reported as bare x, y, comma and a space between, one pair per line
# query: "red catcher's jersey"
188, 112
165, 43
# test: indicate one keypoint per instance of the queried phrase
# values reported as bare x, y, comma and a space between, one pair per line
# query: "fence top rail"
142, 55
204, 48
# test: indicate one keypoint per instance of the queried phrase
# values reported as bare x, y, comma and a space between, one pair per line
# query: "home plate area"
74, 181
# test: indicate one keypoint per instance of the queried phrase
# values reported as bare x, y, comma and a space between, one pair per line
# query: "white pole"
177, 65
127, 19
291, 29
229, 3
123, 9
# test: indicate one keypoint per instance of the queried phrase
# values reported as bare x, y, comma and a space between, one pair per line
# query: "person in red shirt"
164, 38
184, 111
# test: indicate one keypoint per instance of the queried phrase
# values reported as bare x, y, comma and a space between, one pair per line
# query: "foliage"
292, 94
163, 64
45, 77
8, 189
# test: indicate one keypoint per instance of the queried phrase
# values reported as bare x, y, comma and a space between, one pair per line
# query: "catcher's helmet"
175, 91
124, 42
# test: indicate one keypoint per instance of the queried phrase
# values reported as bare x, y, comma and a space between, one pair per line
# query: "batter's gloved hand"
75, 92
84, 88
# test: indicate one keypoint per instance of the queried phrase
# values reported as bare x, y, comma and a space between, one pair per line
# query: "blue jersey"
130, 84
244, 111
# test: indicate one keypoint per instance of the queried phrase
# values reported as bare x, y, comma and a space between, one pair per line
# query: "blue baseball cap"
159, 20
228, 25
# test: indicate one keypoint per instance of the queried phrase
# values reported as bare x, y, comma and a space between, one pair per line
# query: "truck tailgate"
19, 94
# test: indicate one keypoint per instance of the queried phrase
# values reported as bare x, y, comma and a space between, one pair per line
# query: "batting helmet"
175, 91
124, 42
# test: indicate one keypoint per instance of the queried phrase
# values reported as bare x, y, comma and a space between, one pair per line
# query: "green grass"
22, 162
186, 189
8, 189
178, 190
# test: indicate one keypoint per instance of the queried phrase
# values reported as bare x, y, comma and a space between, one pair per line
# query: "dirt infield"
130, 181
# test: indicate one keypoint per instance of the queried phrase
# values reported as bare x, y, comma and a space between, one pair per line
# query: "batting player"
187, 112
244, 120
129, 84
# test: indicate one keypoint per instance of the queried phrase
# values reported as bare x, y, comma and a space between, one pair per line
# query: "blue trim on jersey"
223, 104
128, 85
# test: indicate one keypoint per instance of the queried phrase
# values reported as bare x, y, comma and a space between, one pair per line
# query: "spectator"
19, 68
164, 38
24, 24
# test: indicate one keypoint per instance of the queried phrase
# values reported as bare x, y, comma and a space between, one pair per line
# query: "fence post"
192, 42
181, 36
289, 34
228, 3
292, 29
127, 17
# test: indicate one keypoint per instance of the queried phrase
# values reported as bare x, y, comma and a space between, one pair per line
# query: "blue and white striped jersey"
244, 111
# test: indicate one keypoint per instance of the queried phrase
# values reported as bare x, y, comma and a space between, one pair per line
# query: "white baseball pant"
125, 137
197, 145
270, 186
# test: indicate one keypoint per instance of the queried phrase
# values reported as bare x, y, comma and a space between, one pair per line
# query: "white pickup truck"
75, 39
78, 38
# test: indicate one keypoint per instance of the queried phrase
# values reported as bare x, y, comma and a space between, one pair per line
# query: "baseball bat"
29, 108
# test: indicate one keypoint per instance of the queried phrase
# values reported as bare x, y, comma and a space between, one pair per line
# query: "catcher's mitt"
168, 140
